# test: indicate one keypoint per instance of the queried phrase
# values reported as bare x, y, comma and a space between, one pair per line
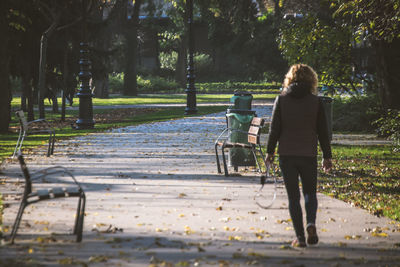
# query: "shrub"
230, 87
355, 114
203, 64
389, 126
116, 82
148, 84
152, 84
168, 60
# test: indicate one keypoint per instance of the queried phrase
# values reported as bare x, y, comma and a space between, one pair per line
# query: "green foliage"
156, 84
245, 45
354, 114
389, 126
373, 20
320, 43
151, 84
202, 62
260, 55
116, 82
230, 87
168, 60
203, 65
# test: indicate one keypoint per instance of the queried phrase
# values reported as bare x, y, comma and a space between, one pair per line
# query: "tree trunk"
100, 63
130, 77
65, 82
27, 89
388, 64
131, 52
55, 103
100, 85
23, 101
181, 64
42, 65
5, 99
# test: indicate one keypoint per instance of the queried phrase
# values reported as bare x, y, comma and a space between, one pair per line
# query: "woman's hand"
327, 165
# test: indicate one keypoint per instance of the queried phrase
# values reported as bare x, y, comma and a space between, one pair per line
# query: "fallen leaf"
383, 234
99, 258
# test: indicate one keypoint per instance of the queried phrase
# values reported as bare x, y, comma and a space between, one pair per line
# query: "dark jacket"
298, 122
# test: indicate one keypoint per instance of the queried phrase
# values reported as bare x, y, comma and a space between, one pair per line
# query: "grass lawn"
367, 177
156, 99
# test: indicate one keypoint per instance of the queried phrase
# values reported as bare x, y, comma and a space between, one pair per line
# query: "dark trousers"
292, 168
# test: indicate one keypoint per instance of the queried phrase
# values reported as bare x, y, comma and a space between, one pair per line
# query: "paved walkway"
155, 188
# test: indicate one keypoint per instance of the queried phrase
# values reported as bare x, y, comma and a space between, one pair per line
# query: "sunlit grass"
367, 177
154, 99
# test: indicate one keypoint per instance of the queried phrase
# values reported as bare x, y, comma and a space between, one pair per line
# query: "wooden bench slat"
253, 139
258, 121
254, 130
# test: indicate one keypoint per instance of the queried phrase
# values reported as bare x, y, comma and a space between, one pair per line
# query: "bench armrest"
230, 131
221, 135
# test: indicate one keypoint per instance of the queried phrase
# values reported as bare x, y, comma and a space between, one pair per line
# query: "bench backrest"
22, 119
253, 136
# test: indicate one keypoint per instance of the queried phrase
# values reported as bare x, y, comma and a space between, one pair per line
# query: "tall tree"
178, 16
331, 35
243, 35
378, 23
131, 20
5, 99
53, 13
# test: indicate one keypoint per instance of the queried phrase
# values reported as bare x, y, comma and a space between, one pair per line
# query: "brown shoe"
312, 237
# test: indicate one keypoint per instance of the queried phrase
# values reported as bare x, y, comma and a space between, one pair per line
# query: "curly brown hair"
301, 73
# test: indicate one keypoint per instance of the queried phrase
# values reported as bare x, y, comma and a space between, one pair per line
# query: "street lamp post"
190, 89
85, 120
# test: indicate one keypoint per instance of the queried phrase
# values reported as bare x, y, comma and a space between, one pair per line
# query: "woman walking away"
298, 122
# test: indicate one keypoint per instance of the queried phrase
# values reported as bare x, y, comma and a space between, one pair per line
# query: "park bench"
31, 196
253, 138
39, 126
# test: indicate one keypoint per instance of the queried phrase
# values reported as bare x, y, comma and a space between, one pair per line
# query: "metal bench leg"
18, 220
255, 158
52, 143
16, 146
81, 216
217, 158
77, 216
224, 159
49, 146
